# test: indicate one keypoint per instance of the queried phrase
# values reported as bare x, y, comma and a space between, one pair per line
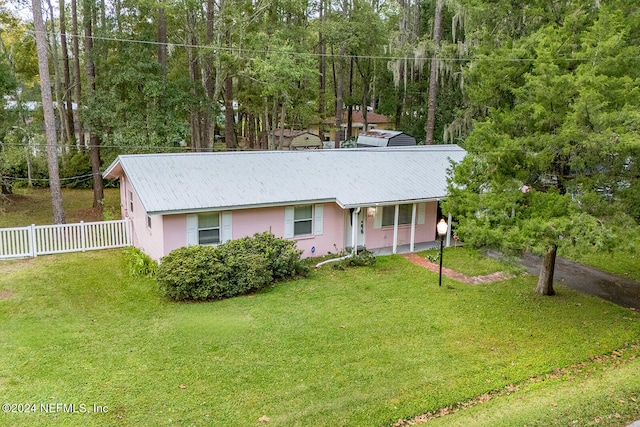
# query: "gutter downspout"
354, 242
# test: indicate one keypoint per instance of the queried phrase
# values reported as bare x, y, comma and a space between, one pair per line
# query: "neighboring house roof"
384, 138
189, 182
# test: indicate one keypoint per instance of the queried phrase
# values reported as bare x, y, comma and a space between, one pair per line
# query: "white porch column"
413, 228
449, 230
395, 229
354, 231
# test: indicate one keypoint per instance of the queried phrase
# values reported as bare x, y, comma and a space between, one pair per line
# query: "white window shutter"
226, 231
318, 221
422, 209
377, 219
192, 229
288, 222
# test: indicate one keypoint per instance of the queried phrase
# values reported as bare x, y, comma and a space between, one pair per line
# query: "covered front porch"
393, 228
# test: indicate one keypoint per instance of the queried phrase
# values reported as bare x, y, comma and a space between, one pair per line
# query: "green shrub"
364, 258
282, 256
139, 264
75, 170
234, 268
190, 273
245, 272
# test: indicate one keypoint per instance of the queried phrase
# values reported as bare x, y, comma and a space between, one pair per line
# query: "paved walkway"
475, 280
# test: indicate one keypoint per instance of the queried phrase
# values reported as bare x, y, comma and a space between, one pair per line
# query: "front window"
404, 215
209, 228
302, 220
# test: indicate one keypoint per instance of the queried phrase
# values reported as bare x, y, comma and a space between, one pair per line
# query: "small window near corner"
130, 201
148, 221
303, 220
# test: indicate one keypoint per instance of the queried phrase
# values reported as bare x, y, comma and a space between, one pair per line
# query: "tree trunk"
545, 279
282, 113
94, 141
66, 84
339, 85
208, 77
162, 42
65, 131
77, 74
322, 70
194, 73
433, 79
49, 117
229, 116
349, 133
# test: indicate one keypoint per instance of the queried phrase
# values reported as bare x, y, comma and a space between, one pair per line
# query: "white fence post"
32, 240
83, 236
35, 240
128, 231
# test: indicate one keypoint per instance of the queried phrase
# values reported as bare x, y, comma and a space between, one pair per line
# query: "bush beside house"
199, 273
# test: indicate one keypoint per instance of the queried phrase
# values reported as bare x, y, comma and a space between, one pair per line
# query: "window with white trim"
209, 228
148, 221
389, 213
303, 220
130, 201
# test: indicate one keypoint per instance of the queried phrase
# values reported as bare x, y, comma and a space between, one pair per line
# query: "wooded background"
542, 93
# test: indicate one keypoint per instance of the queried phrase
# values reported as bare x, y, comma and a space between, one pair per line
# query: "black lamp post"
442, 231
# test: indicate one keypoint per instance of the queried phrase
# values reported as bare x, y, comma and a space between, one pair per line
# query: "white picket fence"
34, 240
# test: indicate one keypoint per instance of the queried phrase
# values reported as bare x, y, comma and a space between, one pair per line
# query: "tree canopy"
555, 159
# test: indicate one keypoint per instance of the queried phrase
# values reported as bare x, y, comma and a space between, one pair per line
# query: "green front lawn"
33, 206
360, 347
465, 260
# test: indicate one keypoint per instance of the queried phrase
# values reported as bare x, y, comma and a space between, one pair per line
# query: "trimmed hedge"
200, 273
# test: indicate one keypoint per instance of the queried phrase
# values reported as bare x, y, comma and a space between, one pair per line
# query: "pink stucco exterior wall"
150, 240
247, 222
332, 238
168, 232
175, 232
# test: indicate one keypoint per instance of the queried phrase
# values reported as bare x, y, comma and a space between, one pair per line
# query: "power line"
410, 57
16, 178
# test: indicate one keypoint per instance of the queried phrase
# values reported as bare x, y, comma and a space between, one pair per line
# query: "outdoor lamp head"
442, 227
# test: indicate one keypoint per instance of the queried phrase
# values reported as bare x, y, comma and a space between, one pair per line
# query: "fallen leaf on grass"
182, 386
264, 419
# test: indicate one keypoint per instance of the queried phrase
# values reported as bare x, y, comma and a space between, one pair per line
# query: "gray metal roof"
187, 182
382, 138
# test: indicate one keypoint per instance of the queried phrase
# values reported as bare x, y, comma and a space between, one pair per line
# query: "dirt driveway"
619, 290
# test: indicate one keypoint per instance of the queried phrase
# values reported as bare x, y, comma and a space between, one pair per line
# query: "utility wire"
241, 51
16, 178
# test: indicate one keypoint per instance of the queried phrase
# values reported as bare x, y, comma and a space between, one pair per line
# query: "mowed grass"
33, 206
468, 261
360, 347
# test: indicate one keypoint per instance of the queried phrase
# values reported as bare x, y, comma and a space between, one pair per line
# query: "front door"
360, 227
